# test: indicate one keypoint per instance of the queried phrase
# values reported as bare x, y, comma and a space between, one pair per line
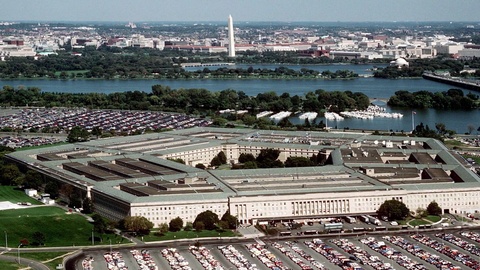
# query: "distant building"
400, 62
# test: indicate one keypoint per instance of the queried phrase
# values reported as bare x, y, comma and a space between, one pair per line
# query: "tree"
298, 162
219, 121
199, 226
178, 160
222, 157
215, 162
421, 212
138, 224
52, 188
99, 223
96, 131
244, 157
163, 228
87, 206
267, 158
393, 210
231, 221
250, 165
176, 224
77, 134
9, 173
38, 238
188, 226
200, 166
208, 218
434, 209
33, 179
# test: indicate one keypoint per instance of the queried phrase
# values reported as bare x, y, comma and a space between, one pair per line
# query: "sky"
241, 10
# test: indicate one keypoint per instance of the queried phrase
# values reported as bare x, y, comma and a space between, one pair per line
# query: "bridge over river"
467, 84
378, 101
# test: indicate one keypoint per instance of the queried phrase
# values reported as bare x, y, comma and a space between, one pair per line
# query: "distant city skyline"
245, 10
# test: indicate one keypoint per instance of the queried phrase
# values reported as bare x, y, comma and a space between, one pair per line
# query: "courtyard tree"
246, 157
268, 158
222, 157
393, 210
215, 162
201, 166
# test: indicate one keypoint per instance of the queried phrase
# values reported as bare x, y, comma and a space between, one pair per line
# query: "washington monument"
231, 39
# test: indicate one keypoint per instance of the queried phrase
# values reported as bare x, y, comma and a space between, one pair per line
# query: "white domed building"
400, 62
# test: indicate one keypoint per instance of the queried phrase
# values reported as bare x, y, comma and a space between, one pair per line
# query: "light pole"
18, 252
93, 239
110, 245
6, 240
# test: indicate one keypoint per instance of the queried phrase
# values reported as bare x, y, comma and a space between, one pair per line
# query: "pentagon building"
132, 176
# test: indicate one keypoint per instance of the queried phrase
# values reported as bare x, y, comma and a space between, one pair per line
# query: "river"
372, 87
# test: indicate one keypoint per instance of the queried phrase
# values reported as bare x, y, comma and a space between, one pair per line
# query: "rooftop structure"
136, 175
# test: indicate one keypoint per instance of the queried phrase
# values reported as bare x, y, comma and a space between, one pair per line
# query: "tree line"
453, 99
130, 63
418, 66
192, 101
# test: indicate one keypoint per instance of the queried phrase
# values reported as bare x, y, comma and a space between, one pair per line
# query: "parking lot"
432, 250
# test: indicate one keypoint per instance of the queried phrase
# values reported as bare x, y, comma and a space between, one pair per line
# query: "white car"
394, 223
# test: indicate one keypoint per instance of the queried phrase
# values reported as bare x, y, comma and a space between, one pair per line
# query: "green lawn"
417, 222
14, 195
186, 235
433, 219
59, 228
9, 266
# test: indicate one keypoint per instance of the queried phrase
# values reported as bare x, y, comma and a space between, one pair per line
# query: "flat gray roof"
107, 159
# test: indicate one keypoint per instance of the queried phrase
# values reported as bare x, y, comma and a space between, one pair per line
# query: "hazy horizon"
241, 11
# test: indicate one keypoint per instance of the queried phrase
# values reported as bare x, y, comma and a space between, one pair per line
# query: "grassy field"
433, 219
59, 228
417, 222
186, 235
14, 195
9, 266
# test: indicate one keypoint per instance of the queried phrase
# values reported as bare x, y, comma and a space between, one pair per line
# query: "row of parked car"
361, 254
333, 255
421, 253
444, 249
392, 254
237, 258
